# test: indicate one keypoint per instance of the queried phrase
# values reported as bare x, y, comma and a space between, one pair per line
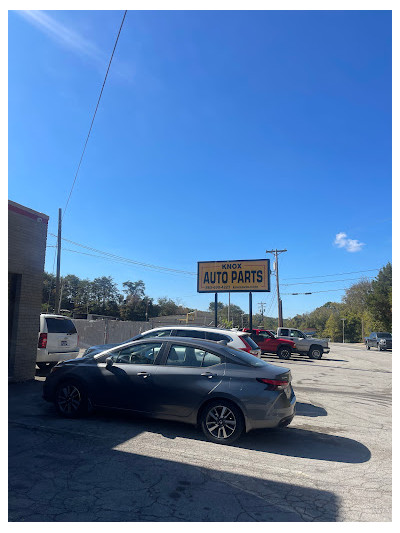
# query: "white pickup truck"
314, 348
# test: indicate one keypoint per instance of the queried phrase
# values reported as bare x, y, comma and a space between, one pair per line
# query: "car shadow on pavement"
27, 408
308, 409
92, 469
75, 478
290, 441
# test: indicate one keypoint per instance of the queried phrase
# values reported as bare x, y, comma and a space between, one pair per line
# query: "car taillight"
247, 348
42, 340
274, 384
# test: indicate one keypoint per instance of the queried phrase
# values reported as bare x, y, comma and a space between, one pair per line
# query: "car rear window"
192, 333
384, 335
216, 337
245, 358
60, 325
250, 341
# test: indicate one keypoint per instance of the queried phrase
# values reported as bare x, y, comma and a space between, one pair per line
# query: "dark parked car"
224, 390
380, 340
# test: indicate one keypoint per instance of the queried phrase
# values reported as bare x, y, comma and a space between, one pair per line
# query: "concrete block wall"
27, 234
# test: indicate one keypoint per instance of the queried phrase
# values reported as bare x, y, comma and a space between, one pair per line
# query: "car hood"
285, 340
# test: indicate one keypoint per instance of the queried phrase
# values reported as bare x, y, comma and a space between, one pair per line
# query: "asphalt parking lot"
333, 463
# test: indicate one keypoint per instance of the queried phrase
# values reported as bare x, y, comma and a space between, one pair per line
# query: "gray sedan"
223, 390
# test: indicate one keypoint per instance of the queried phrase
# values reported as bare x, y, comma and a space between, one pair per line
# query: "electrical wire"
313, 292
127, 261
95, 112
311, 282
341, 274
270, 305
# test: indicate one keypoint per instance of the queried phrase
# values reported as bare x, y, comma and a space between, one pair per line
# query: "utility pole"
276, 252
343, 319
261, 304
57, 299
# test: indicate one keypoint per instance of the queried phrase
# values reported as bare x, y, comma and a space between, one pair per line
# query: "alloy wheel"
69, 399
221, 422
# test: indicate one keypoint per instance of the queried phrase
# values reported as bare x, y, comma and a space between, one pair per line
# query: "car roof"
188, 341
50, 315
210, 328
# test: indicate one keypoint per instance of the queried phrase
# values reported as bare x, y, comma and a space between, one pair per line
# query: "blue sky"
220, 134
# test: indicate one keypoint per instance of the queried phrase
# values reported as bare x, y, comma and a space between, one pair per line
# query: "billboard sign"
248, 275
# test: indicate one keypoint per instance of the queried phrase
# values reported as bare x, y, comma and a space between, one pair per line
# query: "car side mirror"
109, 362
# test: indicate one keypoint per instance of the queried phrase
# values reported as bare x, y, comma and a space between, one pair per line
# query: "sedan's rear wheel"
367, 346
71, 399
222, 422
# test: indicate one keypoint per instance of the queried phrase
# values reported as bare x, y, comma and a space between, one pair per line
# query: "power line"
270, 305
311, 282
126, 261
132, 261
314, 292
341, 274
94, 115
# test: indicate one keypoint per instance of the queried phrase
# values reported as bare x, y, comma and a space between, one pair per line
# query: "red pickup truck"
268, 343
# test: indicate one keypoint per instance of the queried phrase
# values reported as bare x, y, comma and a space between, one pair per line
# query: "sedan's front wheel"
222, 422
71, 399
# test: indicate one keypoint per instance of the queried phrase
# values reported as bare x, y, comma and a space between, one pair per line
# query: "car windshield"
245, 357
384, 335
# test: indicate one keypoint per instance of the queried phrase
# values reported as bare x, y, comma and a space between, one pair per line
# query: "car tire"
222, 422
315, 352
41, 366
367, 346
284, 352
379, 348
71, 399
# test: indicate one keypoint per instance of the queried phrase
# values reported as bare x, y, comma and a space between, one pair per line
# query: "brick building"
27, 234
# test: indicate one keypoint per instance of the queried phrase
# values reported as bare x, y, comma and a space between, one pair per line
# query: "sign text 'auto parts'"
249, 275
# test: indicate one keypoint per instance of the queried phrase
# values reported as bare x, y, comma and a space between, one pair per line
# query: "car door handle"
143, 374
207, 375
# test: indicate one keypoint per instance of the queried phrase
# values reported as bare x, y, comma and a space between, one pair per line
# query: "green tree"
48, 293
333, 328
136, 306
211, 306
356, 296
134, 288
379, 301
167, 307
104, 292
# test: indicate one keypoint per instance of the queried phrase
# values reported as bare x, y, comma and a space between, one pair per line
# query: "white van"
58, 340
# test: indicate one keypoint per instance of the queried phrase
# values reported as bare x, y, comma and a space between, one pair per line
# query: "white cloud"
68, 38
351, 245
